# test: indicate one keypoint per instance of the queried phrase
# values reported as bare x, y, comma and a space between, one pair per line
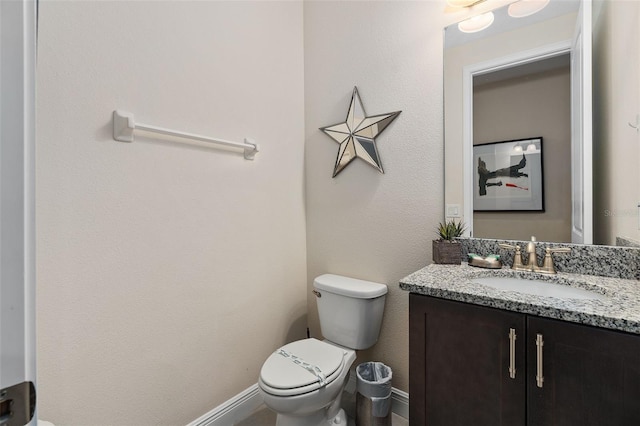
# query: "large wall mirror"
551, 77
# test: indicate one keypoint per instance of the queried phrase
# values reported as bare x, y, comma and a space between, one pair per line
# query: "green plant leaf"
449, 230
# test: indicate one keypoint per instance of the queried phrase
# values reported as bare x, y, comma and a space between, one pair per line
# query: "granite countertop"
620, 310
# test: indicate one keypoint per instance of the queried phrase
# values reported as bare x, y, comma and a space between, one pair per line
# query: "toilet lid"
302, 364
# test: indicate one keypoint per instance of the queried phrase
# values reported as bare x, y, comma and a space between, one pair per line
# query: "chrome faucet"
532, 262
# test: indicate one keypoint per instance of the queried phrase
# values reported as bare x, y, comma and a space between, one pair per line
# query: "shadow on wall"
298, 326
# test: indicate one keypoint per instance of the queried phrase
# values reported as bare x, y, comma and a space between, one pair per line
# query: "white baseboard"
246, 402
400, 402
232, 411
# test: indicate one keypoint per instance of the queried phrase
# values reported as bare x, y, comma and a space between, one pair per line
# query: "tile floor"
265, 417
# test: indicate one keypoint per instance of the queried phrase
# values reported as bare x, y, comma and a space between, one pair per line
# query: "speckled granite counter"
619, 311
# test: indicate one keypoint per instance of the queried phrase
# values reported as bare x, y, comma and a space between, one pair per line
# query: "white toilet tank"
350, 310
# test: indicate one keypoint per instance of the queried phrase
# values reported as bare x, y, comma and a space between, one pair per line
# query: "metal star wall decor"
357, 134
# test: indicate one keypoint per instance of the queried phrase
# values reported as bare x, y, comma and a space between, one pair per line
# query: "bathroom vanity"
483, 355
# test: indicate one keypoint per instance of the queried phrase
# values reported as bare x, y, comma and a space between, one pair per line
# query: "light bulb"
524, 8
476, 23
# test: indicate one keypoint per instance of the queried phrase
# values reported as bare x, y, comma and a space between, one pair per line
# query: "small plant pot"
447, 253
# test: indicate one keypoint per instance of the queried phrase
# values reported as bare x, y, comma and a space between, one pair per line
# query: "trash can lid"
302, 363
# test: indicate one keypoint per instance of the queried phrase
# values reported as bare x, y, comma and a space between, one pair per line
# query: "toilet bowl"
303, 381
305, 388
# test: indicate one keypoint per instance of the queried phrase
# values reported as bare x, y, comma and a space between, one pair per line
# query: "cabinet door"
459, 359
591, 376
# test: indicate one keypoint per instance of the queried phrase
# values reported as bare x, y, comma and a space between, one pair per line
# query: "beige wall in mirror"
513, 109
534, 36
616, 105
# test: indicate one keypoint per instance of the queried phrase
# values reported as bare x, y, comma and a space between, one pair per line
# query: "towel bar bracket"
250, 151
123, 126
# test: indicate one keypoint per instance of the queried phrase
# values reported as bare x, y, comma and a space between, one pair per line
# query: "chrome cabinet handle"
512, 353
539, 374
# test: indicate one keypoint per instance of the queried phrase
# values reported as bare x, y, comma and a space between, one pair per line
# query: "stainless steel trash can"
373, 398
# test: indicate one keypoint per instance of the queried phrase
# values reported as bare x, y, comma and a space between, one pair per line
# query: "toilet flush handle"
317, 293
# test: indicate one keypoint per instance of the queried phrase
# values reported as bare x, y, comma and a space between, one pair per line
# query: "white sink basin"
538, 288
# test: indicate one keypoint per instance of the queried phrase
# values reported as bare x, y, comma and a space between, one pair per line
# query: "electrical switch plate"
453, 210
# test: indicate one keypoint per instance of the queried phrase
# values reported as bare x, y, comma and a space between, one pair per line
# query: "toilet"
303, 381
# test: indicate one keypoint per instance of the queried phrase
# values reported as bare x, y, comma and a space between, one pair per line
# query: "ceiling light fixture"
523, 8
476, 23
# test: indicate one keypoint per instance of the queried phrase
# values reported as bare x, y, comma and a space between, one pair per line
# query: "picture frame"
508, 176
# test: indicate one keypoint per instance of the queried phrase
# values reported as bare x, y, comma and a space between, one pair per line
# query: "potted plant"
446, 249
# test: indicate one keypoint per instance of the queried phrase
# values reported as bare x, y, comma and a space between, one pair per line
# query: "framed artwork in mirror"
508, 176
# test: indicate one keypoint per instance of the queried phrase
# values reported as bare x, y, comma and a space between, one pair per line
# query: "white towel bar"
124, 125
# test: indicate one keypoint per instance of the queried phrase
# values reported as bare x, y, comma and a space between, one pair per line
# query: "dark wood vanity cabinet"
459, 365
462, 359
591, 376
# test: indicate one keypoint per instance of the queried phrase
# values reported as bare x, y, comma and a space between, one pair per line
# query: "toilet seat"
281, 376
